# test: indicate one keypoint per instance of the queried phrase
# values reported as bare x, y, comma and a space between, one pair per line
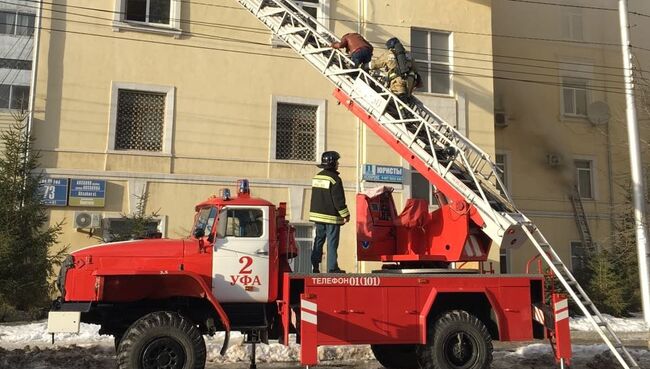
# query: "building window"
572, 25
304, 242
157, 13
501, 161
298, 129
14, 97
584, 178
15, 23
312, 7
422, 189
432, 54
141, 118
319, 9
578, 257
504, 261
574, 97
124, 229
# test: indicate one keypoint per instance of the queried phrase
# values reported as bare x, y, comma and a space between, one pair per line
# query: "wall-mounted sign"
87, 192
55, 191
383, 173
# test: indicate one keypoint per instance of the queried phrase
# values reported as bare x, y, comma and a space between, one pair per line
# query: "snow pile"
238, 351
617, 324
36, 333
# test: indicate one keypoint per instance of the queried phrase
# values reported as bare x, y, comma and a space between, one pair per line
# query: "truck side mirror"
199, 233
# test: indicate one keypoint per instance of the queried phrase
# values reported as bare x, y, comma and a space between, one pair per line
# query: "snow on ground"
28, 346
617, 324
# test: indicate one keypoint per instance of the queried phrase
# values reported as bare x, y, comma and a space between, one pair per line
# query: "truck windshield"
205, 220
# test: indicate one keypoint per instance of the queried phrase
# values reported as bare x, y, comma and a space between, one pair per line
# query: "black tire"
396, 356
457, 340
161, 340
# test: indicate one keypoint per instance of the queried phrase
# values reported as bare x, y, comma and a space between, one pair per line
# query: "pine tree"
26, 265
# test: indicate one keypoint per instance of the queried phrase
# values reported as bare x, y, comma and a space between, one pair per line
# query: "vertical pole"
35, 57
635, 164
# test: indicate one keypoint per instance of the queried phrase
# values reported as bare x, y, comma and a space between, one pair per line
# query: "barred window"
296, 132
140, 120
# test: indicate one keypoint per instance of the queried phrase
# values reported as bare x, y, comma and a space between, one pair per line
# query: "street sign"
383, 173
87, 192
55, 191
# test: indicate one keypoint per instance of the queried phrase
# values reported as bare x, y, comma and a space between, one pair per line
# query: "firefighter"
328, 210
397, 69
357, 47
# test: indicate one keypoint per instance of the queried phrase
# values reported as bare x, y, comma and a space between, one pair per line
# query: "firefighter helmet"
329, 159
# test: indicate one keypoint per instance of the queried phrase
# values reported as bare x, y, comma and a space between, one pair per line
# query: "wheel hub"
460, 350
163, 353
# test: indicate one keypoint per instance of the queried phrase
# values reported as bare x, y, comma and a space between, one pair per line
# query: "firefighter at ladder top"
397, 70
328, 210
357, 47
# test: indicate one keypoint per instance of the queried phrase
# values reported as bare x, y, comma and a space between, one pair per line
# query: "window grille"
296, 132
140, 120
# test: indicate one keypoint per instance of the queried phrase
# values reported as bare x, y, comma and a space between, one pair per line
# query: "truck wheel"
457, 340
396, 356
161, 340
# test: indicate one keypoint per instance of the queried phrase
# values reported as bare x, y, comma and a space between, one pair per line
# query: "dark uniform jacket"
328, 198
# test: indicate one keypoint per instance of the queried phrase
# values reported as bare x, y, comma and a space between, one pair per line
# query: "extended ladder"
459, 168
581, 220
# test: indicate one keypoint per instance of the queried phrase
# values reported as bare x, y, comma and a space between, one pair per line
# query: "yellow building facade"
177, 99
560, 116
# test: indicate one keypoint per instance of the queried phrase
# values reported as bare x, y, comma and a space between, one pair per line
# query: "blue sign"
383, 173
55, 191
87, 192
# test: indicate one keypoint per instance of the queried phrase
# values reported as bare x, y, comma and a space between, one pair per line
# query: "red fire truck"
158, 297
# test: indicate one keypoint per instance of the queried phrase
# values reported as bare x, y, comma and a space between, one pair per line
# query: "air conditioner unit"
553, 160
500, 119
87, 219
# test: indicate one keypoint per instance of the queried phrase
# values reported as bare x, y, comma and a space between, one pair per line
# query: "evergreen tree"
26, 264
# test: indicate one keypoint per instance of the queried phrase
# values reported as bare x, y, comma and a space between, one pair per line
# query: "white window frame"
592, 177
321, 115
566, 85
173, 28
17, 12
293, 261
322, 17
429, 62
168, 125
572, 18
507, 165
